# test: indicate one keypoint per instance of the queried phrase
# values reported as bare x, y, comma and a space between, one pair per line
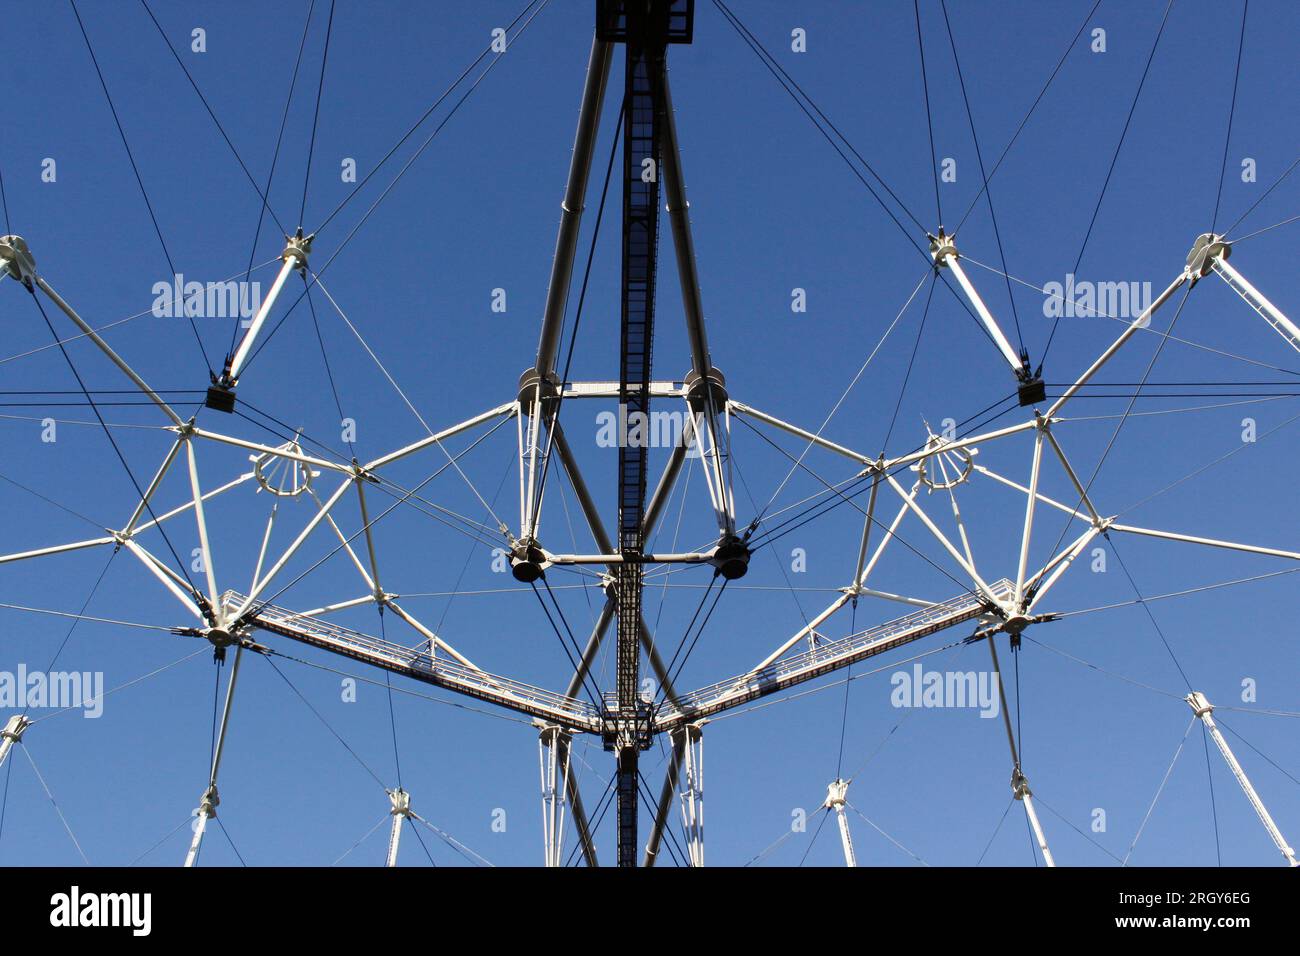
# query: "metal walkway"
825, 658
419, 664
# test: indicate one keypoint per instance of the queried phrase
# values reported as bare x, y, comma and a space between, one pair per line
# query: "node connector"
1020, 785
15, 728
209, 801
1206, 250
297, 248
401, 801
221, 638
837, 795
16, 260
1016, 624
220, 397
942, 248
701, 388
528, 562
1199, 703
1031, 390
532, 385
732, 558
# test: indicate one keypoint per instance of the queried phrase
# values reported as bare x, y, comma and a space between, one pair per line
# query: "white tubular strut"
1020, 786
1019, 782
1203, 709
1209, 254
401, 801
209, 800
553, 759
836, 798
1141, 322
944, 251
693, 791
12, 734
295, 258
17, 260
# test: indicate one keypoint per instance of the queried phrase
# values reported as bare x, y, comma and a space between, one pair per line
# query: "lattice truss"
921, 488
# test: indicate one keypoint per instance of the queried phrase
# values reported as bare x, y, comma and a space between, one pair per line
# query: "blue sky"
774, 209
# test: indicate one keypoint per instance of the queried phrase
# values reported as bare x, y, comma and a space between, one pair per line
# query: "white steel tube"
505, 409
866, 528
157, 569
1052, 502
1039, 836
985, 316
836, 799
297, 543
803, 632
1141, 322
910, 502
843, 599
208, 496
280, 452
1030, 500
370, 539
401, 801
103, 347
153, 486
1209, 542
850, 858
1256, 299
743, 409
1203, 708
433, 639
1062, 563
209, 800
1074, 478
912, 457
12, 734
693, 794
205, 549
553, 759
200, 825
339, 606
250, 336
56, 549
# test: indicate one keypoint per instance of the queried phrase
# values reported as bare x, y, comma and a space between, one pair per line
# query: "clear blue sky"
774, 208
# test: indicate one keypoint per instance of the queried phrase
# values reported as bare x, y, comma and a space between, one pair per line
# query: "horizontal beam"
116, 359
689, 557
610, 390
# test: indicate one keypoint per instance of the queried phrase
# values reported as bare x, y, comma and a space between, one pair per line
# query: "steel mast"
644, 27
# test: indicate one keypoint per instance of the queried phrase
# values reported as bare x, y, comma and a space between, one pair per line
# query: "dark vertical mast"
645, 27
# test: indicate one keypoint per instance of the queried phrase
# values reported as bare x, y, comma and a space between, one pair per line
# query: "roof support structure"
626, 720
